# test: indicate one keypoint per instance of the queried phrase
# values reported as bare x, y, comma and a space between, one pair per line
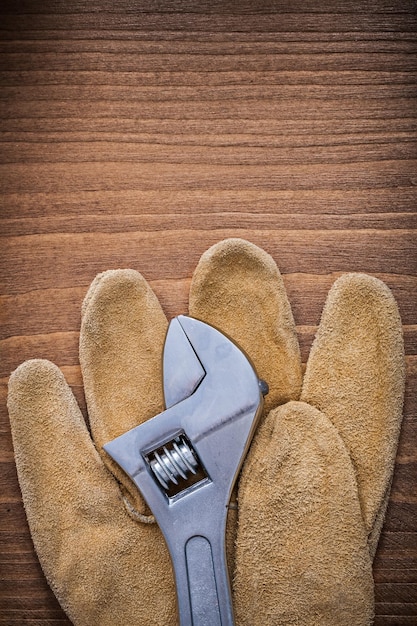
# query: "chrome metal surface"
176, 461
185, 460
182, 369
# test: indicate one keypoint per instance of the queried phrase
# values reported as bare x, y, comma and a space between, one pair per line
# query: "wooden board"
137, 134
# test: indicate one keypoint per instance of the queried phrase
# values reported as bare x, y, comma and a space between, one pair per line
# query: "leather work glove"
314, 486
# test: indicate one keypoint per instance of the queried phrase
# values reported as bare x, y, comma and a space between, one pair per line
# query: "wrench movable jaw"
185, 460
182, 369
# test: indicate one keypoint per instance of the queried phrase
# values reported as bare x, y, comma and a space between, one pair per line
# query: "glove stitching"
134, 514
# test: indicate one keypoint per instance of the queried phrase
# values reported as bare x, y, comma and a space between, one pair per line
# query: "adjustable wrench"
185, 460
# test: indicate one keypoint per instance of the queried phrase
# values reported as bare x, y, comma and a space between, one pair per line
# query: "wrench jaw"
182, 369
185, 461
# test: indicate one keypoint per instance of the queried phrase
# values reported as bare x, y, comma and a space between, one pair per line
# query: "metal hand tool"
185, 460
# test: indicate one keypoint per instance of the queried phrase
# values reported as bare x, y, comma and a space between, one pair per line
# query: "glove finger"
96, 559
301, 555
355, 375
121, 341
237, 287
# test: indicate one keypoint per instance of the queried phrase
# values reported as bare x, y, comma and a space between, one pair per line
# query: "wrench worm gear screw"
176, 466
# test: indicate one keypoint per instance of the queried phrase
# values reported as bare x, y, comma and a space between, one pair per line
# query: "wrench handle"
203, 589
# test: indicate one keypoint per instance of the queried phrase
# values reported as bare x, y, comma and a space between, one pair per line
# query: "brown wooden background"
138, 133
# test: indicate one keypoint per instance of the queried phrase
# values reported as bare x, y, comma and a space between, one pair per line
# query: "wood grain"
136, 134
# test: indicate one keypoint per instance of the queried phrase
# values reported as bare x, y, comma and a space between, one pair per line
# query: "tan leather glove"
105, 563
315, 485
